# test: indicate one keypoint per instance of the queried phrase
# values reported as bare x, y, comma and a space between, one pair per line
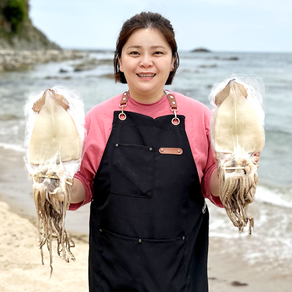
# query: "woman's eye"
134, 53
158, 53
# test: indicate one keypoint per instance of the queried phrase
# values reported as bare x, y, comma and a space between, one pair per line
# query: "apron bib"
149, 220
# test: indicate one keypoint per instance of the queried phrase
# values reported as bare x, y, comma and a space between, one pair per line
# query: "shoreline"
22, 60
229, 268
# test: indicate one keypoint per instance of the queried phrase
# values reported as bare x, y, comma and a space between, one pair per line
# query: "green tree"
15, 13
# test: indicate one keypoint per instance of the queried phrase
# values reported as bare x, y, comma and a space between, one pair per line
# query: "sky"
218, 25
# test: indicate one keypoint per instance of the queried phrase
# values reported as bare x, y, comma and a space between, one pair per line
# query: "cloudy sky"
219, 25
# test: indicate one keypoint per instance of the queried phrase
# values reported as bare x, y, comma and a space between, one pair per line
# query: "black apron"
149, 220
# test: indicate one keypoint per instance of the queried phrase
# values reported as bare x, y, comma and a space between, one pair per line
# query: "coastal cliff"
17, 31
21, 44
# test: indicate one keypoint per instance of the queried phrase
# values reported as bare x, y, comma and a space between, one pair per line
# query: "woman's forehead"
147, 37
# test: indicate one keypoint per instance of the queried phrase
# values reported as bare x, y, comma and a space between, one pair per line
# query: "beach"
230, 269
237, 262
20, 260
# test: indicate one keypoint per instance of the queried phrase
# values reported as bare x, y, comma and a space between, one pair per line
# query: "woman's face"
146, 62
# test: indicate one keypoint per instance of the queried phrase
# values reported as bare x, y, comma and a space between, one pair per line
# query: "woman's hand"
256, 158
77, 192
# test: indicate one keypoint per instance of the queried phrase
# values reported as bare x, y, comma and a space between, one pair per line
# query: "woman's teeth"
146, 75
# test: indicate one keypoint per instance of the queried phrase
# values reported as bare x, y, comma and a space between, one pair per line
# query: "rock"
87, 64
13, 60
208, 66
232, 58
226, 59
200, 50
58, 77
106, 62
110, 76
238, 284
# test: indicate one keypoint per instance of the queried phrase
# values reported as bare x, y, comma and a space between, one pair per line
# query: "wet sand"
20, 261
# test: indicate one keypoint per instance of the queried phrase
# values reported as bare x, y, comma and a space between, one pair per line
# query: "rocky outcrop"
21, 44
200, 50
13, 60
17, 31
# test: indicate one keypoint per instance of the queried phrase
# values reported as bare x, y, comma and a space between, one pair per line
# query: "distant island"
199, 50
17, 31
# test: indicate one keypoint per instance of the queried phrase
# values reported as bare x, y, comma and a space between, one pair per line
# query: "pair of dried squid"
237, 136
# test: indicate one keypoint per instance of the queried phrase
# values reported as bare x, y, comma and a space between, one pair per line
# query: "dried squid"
53, 156
237, 135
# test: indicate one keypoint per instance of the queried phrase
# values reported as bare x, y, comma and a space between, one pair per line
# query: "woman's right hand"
77, 192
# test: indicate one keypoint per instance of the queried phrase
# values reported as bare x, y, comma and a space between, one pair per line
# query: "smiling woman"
163, 32
146, 171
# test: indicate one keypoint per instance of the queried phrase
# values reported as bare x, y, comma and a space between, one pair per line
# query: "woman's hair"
145, 20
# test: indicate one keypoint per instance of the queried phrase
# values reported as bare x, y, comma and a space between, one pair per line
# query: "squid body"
238, 135
54, 143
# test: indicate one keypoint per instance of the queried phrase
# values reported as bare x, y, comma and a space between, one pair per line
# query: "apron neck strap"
124, 99
171, 99
172, 102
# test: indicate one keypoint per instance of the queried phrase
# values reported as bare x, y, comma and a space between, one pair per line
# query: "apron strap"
173, 106
171, 99
123, 103
124, 99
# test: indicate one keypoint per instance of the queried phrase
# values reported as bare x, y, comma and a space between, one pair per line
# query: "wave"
13, 147
274, 196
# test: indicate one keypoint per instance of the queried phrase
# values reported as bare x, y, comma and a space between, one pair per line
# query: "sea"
197, 74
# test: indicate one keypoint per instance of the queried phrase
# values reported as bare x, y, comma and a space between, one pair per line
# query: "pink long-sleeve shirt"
99, 125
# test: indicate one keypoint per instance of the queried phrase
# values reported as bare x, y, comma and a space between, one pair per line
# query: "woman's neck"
147, 98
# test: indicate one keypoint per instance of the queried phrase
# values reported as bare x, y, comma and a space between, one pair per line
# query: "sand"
20, 261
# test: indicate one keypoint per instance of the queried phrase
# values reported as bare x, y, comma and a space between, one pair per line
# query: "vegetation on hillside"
15, 12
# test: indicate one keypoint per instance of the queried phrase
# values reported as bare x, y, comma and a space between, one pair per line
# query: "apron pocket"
120, 264
164, 266
132, 170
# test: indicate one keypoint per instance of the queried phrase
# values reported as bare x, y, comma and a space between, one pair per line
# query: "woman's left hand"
256, 158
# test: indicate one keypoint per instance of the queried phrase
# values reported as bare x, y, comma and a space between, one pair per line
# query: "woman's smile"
146, 76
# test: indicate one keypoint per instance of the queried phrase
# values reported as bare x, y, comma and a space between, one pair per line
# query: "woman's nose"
146, 61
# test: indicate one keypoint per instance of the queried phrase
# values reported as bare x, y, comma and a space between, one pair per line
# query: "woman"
147, 167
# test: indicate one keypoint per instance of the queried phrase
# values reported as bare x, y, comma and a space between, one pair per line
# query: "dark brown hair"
145, 20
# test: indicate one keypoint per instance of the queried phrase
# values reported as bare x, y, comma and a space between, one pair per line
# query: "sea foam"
274, 197
13, 147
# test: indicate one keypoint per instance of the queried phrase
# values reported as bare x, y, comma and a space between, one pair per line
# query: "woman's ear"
172, 64
120, 64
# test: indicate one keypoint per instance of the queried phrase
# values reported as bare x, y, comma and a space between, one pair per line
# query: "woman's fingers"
256, 158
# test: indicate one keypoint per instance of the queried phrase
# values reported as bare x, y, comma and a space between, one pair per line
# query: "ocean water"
197, 73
